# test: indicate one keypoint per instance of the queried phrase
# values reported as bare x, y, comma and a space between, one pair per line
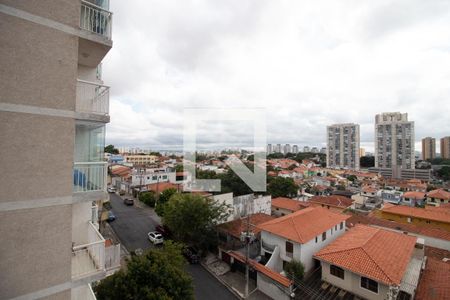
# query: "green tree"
155, 153
294, 270
275, 155
110, 149
282, 187
158, 274
148, 198
179, 168
192, 219
232, 183
444, 173
352, 178
162, 200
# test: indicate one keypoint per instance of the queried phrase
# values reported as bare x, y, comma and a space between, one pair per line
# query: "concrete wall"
415, 221
35, 249
279, 212
81, 215
352, 283
268, 287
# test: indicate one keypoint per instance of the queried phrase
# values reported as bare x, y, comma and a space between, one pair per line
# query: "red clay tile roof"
162, 186
442, 215
422, 230
435, 281
235, 227
263, 269
439, 194
414, 195
289, 204
303, 225
336, 201
376, 253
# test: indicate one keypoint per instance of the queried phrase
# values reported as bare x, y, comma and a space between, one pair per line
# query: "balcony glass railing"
92, 97
89, 176
95, 19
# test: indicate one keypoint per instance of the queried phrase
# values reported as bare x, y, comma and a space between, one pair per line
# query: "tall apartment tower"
428, 148
53, 111
445, 147
277, 148
287, 149
343, 146
394, 141
269, 149
295, 149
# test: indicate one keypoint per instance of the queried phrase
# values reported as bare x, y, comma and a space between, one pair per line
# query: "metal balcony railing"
95, 19
89, 176
92, 97
89, 258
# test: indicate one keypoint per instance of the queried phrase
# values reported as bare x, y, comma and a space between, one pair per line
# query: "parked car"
155, 238
121, 192
111, 216
128, 201
191, 255
163, 230
111, 190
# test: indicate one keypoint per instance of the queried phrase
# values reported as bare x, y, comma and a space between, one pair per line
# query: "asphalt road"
132, 225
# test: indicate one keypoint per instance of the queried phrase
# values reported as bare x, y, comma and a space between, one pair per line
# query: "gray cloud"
309, 64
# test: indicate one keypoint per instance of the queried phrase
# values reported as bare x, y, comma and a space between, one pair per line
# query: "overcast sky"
308, 63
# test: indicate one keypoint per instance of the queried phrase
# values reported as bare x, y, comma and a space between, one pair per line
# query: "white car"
155, 238
111, 190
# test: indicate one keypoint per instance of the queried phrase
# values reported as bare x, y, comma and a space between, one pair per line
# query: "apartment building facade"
343, 146
428, 148
394, 141
445, 147
53, 106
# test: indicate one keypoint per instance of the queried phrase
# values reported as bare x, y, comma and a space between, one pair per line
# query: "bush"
294, 270
148, 198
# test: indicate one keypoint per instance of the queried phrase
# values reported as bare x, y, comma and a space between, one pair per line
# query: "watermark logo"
255, 179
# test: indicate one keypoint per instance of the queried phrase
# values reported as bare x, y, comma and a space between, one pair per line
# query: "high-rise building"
362, 152
323, 150
445, 147
269, 149
428, 148
343, 146
287, 149
277, 148
306, 149
53, 111
295, 149
314, 150
394, 141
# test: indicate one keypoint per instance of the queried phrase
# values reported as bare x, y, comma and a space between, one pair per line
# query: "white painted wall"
81, 215
241, 205
151, 178
302, 252
352, 283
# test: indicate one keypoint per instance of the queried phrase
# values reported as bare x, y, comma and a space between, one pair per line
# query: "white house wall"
352, 283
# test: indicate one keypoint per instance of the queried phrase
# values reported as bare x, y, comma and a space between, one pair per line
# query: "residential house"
282, 206
413, 198
334, 202
429, 217
435, 281
240, 206
373, 263
391, 196
438, 197
299, 235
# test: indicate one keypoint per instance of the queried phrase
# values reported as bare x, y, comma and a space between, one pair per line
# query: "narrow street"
132, 225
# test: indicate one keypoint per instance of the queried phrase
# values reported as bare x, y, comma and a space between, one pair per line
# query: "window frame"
291, 245
336, 271
324, 236
368, 284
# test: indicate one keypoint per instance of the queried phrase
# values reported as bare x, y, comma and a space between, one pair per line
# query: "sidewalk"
234, 281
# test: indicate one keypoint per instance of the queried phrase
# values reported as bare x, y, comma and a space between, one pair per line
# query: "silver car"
155, 238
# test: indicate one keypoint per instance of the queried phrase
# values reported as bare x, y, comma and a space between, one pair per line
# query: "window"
289, 249
369, 284
341, 225
403, 296
317, 239
428, 221
336, 271
324, 236
331, 230
409, 219
335, 227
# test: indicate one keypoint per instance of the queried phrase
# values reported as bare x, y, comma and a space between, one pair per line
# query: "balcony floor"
82, 264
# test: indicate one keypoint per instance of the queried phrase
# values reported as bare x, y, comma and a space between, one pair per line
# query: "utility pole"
247, 250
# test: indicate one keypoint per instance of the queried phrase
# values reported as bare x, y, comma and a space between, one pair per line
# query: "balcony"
92, 98
89, 259
94, 257
83, 292
95, 19
89, 177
